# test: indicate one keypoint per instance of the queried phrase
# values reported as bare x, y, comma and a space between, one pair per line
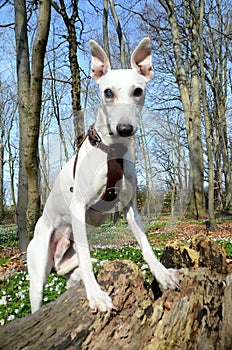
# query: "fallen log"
197, 316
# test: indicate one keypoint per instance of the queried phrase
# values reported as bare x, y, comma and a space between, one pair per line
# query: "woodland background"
48, 101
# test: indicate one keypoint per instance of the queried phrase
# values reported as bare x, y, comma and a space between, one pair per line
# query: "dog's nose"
124, 130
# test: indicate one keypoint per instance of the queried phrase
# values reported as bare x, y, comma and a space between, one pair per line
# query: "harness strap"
95, 141
76, 158
115, 173
114, 163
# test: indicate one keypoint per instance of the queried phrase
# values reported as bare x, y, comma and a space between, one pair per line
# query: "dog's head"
122, 90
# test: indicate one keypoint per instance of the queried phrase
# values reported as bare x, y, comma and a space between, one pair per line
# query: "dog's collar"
115, 150
96, 141
115, 155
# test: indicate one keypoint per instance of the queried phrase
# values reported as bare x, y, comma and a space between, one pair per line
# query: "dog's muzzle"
125, 130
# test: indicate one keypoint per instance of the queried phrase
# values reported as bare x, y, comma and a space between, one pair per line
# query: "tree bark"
120, 34
23, 87
190, 99
105, 29
208, 124
2, 133
194, 317
23, 238
55, 103
147, 167
33, 122
78, 117
216, 64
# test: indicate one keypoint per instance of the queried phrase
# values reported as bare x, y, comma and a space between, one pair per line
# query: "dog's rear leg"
39, 262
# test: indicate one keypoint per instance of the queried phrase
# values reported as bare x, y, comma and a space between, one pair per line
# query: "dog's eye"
108, 93
138, 92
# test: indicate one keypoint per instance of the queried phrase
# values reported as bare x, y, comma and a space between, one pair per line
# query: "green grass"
4, 260
227, 244
107, 233
228, 249
8, 236
132, 253
14, 295
14, 292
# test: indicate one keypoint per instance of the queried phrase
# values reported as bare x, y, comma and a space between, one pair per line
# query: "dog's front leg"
168, 278
98, 299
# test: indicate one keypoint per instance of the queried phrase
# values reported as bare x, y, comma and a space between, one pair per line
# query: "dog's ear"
100, 63
141, 59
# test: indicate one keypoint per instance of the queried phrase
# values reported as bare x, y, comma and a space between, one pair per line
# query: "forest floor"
160, 232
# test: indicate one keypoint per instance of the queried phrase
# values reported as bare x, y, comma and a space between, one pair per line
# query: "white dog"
91, 184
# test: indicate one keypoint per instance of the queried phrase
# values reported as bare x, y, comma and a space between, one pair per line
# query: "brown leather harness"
115, 154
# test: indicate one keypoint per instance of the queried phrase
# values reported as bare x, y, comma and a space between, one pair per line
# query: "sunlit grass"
14, 293
8, 235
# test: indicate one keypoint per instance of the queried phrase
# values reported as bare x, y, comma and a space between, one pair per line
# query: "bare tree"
30, 94
23, 87
12, 157
70, 23
55, 103
105, 29
217, 47
119, 33
208, 124
2, 134
190, 97
8, 108
33, 120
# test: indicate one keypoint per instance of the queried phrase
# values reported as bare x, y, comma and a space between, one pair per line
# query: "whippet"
92, 183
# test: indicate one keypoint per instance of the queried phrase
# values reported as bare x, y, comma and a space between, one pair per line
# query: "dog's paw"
100, 301
169, 279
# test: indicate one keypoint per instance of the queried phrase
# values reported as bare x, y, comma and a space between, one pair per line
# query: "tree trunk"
194, 317
146, 163
208, 126
33, 122
1, 175
217, 46
56, 106
78, 116
11, 162
70, 22
23, 86
220, 88
120, 34
190, 99
105, 30
2, 133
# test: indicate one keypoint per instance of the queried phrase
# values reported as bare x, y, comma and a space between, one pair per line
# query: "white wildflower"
10, 318
3, 300
144, 267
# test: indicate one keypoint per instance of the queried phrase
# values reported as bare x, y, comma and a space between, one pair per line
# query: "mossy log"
197, 316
